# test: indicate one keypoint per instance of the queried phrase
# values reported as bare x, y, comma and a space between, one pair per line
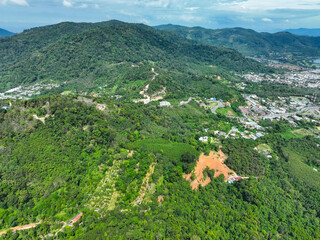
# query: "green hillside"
251, 43
123, 168
89, 55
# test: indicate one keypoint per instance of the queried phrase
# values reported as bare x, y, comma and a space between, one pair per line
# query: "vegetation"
86, 56
251, 43
121, 163
52, 171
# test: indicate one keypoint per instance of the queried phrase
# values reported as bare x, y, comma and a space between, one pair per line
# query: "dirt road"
18, 228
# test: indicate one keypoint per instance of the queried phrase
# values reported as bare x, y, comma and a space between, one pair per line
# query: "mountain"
251, 43
89, 54
315, 32
5, 33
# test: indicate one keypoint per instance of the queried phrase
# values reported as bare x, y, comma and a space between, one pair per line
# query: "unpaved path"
156, 96
185, 102
18, 228
42, 119
220, 105
215, 161
145, 184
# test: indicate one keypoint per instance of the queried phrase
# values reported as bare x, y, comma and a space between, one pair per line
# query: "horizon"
164, 24
261, 16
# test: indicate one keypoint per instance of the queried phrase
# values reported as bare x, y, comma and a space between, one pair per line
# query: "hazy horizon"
261, 16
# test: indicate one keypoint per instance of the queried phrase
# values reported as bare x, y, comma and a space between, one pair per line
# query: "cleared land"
300, 170
215, 161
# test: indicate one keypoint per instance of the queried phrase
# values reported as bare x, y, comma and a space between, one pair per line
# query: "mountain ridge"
70, 51
5, 33
250, 42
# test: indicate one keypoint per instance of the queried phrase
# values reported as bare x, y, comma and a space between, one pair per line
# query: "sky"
260, 15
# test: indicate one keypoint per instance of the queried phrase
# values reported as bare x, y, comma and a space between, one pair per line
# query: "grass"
264, 147
298, 133
227, 111
302, 132
300, 170
169, 149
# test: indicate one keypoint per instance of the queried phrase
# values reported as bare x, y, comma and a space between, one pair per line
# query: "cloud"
190, 18
83, 5
158, 3
266, 20
67, 3
16, 2
192, 8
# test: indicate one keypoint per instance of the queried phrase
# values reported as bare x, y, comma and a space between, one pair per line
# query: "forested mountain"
86, 54
96, 162
249, 42
5, 33
315, 32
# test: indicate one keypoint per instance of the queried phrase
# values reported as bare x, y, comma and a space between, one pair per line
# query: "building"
203, 139
76, 218
165, 104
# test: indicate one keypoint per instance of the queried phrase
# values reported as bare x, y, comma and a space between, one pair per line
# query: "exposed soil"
215, 161
24, 227
145, 183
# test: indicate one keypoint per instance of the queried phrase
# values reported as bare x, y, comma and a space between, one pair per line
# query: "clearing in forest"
145, 184
215, 161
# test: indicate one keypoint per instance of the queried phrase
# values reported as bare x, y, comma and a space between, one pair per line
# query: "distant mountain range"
5, 33
249, 42
315, 32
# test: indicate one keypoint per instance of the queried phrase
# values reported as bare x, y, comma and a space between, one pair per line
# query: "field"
302, 132
298, 133
298, 169
264, 147
227, 111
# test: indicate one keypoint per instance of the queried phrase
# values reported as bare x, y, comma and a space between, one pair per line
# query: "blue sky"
260, 15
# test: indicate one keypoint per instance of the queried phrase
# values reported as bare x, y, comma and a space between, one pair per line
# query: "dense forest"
88, 159
86, 56
251, 43
81, 159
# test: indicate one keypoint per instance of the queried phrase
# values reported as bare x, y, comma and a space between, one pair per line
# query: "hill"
315, 32
251, 43
90, 55
122, 168
5, 33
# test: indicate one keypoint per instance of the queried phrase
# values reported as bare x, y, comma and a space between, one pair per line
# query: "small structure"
101, 107
203, 139
165, 104
76, 218
5, 107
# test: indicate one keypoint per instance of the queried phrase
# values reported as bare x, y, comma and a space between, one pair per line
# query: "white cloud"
190, 18
266, 20
158, 3
192, 8
16, 2
67, 3
83, 5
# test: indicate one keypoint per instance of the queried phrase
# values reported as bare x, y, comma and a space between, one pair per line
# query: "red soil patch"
215, 161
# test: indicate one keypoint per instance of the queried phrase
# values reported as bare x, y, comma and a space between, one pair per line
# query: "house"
76, 218
101, 107
165, 104
203, 139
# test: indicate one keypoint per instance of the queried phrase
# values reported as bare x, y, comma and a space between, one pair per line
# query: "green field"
226, 111
300, 170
